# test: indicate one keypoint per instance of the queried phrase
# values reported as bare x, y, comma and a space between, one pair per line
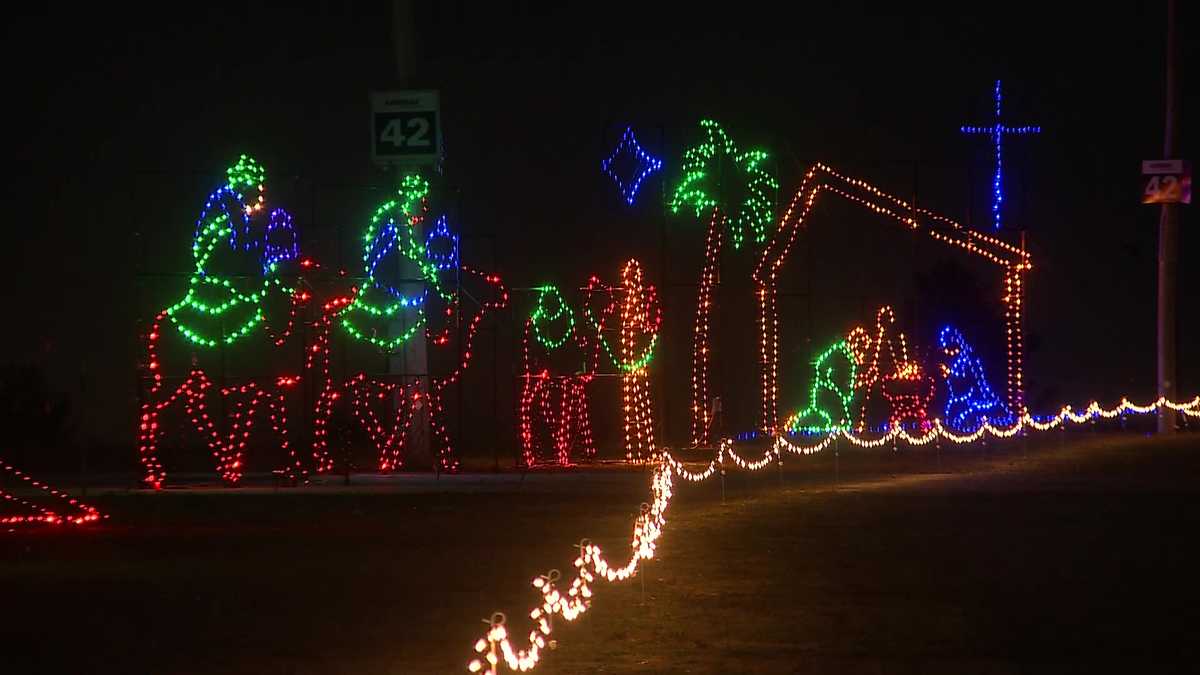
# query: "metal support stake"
722, 480
937, 446
837, 442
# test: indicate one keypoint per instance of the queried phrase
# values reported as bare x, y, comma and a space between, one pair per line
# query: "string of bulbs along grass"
496, 648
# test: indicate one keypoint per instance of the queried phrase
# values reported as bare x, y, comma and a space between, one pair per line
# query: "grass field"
1073, 558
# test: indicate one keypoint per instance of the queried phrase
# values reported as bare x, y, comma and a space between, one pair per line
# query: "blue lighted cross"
997, 131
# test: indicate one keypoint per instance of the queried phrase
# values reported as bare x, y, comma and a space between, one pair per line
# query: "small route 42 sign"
1166, 181
405, 128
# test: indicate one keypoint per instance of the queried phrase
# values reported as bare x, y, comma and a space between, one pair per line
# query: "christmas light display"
643, 165
227, 233
700, 185
374, 401
700, 189
969, 398
496, 648
223, 230
378, 303
317, 357
1013, 261
194, 396
835, 373
909, 392
439, 235
640, 321
389, 431
384, 408
439, 383
37, 512
882, 371
997, 131
556, 399
275, 252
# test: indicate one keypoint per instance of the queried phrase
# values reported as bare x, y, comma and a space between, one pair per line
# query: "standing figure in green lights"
831, 393
735, 191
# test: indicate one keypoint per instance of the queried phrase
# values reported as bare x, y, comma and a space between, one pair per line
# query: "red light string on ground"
1013, 261
36, 512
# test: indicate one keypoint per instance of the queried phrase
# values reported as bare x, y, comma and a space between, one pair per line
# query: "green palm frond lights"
699, 187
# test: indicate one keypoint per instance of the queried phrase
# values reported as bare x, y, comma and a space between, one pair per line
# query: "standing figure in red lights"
640, 316
559, 362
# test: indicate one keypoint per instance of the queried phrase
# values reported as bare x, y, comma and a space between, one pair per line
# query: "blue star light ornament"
630, 153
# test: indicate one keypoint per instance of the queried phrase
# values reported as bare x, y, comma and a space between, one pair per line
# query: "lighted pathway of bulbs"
496, 647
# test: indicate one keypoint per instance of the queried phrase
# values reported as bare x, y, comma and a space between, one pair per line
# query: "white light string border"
496, 647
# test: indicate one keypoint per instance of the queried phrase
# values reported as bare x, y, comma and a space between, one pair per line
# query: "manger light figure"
997, 131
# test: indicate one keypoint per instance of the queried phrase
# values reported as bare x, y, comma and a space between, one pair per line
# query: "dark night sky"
122, 122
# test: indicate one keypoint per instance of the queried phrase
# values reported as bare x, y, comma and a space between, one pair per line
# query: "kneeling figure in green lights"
834, 373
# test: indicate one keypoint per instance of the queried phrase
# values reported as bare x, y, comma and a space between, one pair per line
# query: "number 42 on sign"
1166, 181
404, 128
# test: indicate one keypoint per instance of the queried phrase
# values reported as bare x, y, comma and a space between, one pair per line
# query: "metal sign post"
406, 135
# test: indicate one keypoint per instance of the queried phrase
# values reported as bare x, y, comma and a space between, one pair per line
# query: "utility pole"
1168, 237
410, 362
